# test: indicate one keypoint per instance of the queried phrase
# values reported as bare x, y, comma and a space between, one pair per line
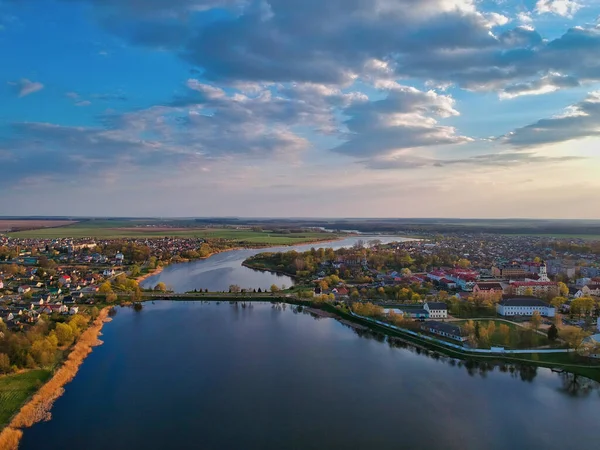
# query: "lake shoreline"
159, 269
39, 405
275, 271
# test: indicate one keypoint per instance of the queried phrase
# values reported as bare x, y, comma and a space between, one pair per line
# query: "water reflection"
572, 384
578, 386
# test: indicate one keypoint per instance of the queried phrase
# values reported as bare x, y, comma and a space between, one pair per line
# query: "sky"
300, 108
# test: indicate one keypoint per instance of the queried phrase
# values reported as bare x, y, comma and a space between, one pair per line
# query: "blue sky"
386, 108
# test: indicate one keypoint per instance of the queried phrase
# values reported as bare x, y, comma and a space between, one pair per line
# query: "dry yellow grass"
38, 408
9, 439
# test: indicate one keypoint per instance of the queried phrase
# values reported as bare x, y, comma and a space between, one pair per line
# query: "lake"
185, 375
222, 270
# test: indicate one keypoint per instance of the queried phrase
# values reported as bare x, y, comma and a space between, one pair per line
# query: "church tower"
543, 272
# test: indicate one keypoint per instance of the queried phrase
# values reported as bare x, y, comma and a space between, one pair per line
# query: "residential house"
488, 291
591, 290
64, 279
524, 306
445, 329
108, 272
24, 289
507, 271
436, 310
340, 291
538, 288
417, 313
447, 283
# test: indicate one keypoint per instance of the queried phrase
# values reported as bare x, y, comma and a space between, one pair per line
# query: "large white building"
524, 306
436, 310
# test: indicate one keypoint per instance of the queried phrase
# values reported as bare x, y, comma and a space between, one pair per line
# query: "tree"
94, 313
463, 263
161, 287
4, 363
484, 337
78, 323
536, 320
563, 289
477, 330
64, 333
43, 261
274, 288
491, 328
557, 302
529, 292
552, 333
469, 328
573, 336
105, 288
135, 270
504, 331
582, 306
13, 269
110, 298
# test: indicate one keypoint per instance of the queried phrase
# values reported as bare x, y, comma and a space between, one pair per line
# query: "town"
478, 291
481, 291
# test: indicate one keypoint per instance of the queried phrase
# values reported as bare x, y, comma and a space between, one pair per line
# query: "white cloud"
565, 8
407, 118
544, 85
578, 121
26, 87
525, 18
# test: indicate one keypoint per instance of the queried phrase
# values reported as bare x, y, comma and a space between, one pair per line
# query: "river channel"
222, 270
191, 375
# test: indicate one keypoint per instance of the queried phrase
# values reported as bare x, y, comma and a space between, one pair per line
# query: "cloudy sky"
303, 108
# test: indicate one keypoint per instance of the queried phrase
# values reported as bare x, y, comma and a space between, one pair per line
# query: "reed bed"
38, 408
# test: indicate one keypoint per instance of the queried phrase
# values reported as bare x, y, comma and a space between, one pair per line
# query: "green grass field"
132, 229
16, 389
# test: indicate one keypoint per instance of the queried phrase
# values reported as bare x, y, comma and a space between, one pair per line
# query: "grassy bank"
569, 362
39, 405
15, 389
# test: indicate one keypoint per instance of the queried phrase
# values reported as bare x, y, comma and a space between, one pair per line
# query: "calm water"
220, 271
208, 376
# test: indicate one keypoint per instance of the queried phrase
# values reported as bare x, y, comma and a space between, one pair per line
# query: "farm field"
16, 389
9, 224
128, 229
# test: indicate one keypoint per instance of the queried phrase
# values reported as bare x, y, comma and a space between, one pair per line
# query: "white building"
543, 273
436, 310
108, 272
524, 306
591, 289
